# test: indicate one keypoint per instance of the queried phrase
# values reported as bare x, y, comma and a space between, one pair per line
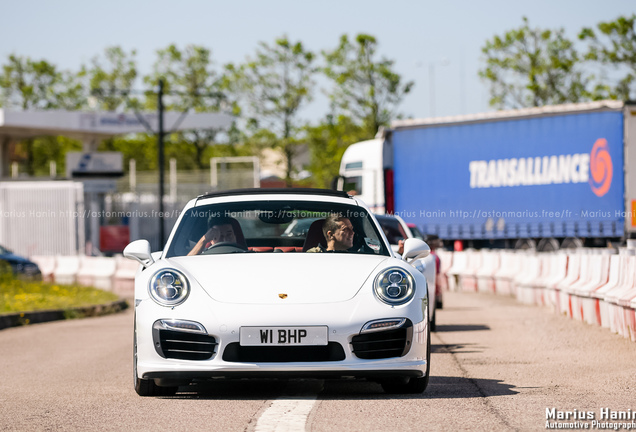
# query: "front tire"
145, 387
411, 385
433, 322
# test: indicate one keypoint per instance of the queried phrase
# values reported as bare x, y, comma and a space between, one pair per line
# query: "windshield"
276, 226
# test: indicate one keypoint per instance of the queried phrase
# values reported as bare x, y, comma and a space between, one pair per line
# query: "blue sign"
554, 176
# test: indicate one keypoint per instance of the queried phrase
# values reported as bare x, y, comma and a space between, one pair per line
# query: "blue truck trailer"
547, 175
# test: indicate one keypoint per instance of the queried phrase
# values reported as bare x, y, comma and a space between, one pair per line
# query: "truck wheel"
548, 245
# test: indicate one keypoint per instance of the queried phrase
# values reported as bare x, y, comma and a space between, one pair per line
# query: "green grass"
17, 295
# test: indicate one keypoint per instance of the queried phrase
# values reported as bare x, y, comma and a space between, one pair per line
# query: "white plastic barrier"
607, 316
446, 262
616, 316
585, 276
597, 296
124, 277
486, 274
510, 266
548, 263
522, 287
460, 261
46, 263
585, 303
535, 288
558, 267
618, 272
561, 298
591, 285
467, 278
626, 298
104, 273
534, 285
66, 269
87, 268
521, 276
622, 327
629, 319
624, 301
632, 319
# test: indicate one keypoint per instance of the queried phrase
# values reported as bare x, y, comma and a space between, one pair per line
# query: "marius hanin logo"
601, 169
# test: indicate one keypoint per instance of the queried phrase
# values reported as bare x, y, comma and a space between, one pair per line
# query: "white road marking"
286, 415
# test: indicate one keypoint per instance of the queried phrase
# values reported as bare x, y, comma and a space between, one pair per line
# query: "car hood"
266, 278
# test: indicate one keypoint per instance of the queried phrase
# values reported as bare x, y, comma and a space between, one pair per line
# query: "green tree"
274, 86
27, 84
190, 83
72, 92
327, 142
532, 67
49, 149
141, 147
112, 77
366, 89
614, 45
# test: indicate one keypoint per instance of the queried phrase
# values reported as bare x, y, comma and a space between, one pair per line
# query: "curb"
35, 317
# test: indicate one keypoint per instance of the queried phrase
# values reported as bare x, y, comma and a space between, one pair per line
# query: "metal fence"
42, 217
49, 217
136, 203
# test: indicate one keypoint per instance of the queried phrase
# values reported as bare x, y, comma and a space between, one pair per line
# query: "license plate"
283, 336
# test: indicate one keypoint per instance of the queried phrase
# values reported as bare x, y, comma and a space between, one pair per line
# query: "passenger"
338, 232
434, 243
220, 230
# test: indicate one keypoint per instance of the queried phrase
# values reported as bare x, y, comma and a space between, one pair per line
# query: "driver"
220, 231
338, 232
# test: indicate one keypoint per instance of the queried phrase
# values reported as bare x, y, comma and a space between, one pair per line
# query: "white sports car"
236, 294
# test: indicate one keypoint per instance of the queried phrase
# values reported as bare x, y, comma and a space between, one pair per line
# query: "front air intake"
234, 352
383, 344
183, 345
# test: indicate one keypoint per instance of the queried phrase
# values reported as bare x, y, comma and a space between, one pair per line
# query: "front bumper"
222, 322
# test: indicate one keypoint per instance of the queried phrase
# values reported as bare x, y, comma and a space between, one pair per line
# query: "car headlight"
394, 286
169, 287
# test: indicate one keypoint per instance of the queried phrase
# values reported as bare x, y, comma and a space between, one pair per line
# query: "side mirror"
337, 183
139, 250
415, 249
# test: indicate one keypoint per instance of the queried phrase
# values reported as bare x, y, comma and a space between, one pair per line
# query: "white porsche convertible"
236, 294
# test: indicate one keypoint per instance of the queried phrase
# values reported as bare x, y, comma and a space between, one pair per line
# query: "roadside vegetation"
19, 295
525, 66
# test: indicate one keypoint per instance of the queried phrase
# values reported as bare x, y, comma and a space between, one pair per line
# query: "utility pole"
160, 134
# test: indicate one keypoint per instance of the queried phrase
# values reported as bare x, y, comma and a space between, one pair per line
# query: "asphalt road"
496, 365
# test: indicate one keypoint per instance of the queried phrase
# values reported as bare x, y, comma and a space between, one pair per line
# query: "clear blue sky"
416, 34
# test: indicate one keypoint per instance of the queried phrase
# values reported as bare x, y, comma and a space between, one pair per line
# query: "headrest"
315, 236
